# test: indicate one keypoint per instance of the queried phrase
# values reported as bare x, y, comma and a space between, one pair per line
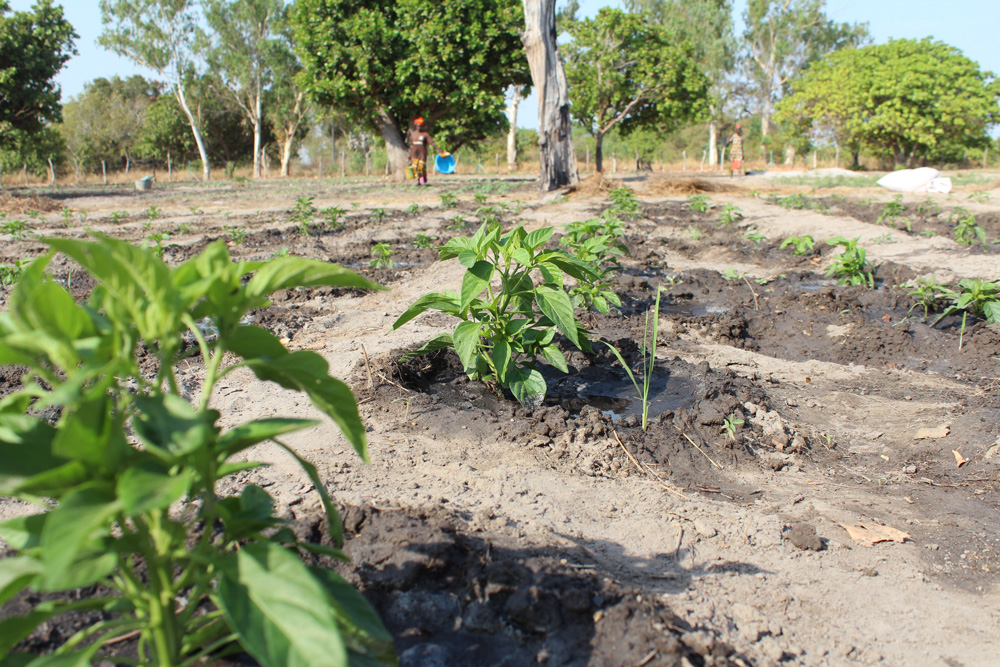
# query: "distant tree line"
246, 81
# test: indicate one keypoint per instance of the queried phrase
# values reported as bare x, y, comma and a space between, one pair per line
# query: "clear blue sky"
970, 25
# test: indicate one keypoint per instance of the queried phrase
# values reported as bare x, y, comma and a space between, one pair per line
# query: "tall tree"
245, 43
555, 131
160, 35
782, 37
34, 46
385, 62
105, 121
908, 99
707, 27
625, 72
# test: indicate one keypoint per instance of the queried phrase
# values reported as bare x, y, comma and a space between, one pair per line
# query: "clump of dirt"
11, 203
452, 594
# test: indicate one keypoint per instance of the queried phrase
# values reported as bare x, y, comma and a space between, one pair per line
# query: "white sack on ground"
922, 179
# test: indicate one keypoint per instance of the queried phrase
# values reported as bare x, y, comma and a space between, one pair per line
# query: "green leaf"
466, 339
278, 609
468, 258
82, 515
91, 434
16, 573
476, 279
247, 435
501, 358
440, 342
538, 238
168, 423
522, 257
992, 311
357, 618
555, 357
27, 462
288, 272
23, 532
527, 385
557, 307
448, 302
150, 485
309, 372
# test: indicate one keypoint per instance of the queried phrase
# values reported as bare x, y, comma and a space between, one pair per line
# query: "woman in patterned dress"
736, 152
419, 139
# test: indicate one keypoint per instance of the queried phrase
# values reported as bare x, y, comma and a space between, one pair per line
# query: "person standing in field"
736, 151
419, 139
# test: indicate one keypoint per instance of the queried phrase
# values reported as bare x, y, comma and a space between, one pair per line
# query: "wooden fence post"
104, 170
588, 157
24, 171
498, 164
321, 166
684, 155
343, 164
52, 172
170, 169
614, 163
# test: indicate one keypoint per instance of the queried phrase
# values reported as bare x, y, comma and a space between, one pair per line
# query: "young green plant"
382, 256
511, 305
980, 298
124, 469
851, 267
649, 342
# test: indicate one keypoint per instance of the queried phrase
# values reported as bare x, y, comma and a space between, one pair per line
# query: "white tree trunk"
555, 136
395, 145
713, 141
512, 132
182, 100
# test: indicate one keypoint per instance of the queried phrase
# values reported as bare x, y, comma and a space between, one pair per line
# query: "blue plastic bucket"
444, 164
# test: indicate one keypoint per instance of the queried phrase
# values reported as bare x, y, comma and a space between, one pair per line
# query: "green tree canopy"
105, 121
909, 99
782, 38
385, 62
624, 71
34, 46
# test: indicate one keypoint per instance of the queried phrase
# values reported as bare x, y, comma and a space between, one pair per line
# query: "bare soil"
486, 534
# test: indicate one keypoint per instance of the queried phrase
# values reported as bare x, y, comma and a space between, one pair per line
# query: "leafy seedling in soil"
378, 215
930, 295
699, 203
382, 256
803, 244
624, 204
9, 273
303, 214
156, 242
755, 237
152, 213
649, 342
16, 229
694, 232
182, 228
194, 210
979, 196
333, 218
891, 211
928, 207
731, 275
191, 574
730, 214
413, 209
505, 327
118, 216
448, 200
929, 233
851, 267
488, 214
795, 202
459, 224
980, 298
281, 252
480, 197
730, 425
236, 234
599, 243
883, 239
67, 215
424, 241
967, 231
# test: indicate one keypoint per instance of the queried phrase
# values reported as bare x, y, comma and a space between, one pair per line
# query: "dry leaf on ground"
959, 459
939, 432
872, 533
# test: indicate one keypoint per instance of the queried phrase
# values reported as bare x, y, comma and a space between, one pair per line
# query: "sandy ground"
725, 565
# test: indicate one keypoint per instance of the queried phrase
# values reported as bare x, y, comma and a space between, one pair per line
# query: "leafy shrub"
16, 229
333, 218
851, 267
9, 273
378, 215
303, 214
503, 329
891, 211
976, 297
699, 203
756, 237
624, 203
448, 200
967, 231
382, 256
109, 519
802, 244
413, 209
730, 214
599, 243
930, 294
424, 241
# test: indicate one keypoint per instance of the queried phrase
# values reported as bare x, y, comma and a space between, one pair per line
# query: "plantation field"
791, 418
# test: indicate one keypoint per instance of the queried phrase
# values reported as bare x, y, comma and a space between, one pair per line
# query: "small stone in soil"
803, 535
